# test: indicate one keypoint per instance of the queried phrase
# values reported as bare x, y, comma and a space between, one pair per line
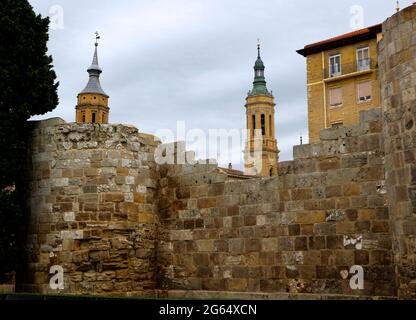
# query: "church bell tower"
92, 106
261, 152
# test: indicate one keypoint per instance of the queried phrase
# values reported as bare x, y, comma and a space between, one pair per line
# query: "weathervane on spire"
97, 36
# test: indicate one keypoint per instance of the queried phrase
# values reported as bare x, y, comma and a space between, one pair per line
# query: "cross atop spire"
397, 6
258, 48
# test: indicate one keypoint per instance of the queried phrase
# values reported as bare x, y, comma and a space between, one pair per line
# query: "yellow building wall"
320, 114
90, 103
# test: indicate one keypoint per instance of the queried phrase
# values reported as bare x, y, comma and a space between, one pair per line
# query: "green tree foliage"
27, 87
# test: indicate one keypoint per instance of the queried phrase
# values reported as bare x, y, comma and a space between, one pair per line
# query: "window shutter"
364, 91
335, 96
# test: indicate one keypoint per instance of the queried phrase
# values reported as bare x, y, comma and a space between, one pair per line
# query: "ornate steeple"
261, 152
259, 84
93, 85
92, 104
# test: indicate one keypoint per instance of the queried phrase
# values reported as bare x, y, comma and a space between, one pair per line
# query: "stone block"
301, 243
236, 246
330, 163
380, 226
294, 229
252, 245
181, 235
207, 202
380, 257
345, 227
201, 259
72, 234
144, 217
316, 242
270, 244
362, 257
301, 194
344, 258
113, 197
325, 228
286, 243
310, 217
370, 115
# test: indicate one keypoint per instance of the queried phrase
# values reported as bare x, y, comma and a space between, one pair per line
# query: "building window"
270, 126
364, 91
263, 125
93, 117
337, 124
271, 172
83, 117
335, 65
335, 97
259, 73
363, 59
254, 122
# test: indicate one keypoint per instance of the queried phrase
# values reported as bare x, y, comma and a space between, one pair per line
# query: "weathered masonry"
120, 224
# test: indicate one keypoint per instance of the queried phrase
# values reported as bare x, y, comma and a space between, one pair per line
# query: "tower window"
93, 117
83, 117
271, 172
254, 122
270, 125
263, 125
95, 98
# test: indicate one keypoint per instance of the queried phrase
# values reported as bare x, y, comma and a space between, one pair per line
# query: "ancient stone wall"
93, 209
300, 232
397, 64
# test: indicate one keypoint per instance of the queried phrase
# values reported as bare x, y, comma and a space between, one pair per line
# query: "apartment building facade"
342, 79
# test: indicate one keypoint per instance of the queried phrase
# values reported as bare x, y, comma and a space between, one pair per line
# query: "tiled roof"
342, 40
236, 174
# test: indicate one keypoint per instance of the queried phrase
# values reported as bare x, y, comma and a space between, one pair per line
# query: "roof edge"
342, 40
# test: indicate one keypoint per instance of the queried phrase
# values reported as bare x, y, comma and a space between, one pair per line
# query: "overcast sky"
192, 60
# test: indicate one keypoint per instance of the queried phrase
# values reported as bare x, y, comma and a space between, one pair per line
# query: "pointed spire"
259, 84
94, 64
93, 85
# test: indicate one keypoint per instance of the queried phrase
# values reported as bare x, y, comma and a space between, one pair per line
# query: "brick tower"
261, 152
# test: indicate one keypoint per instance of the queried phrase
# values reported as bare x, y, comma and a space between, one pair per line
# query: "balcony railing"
337, 70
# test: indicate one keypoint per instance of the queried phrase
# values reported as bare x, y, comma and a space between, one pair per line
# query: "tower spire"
94, 70
92, 104
259, 84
